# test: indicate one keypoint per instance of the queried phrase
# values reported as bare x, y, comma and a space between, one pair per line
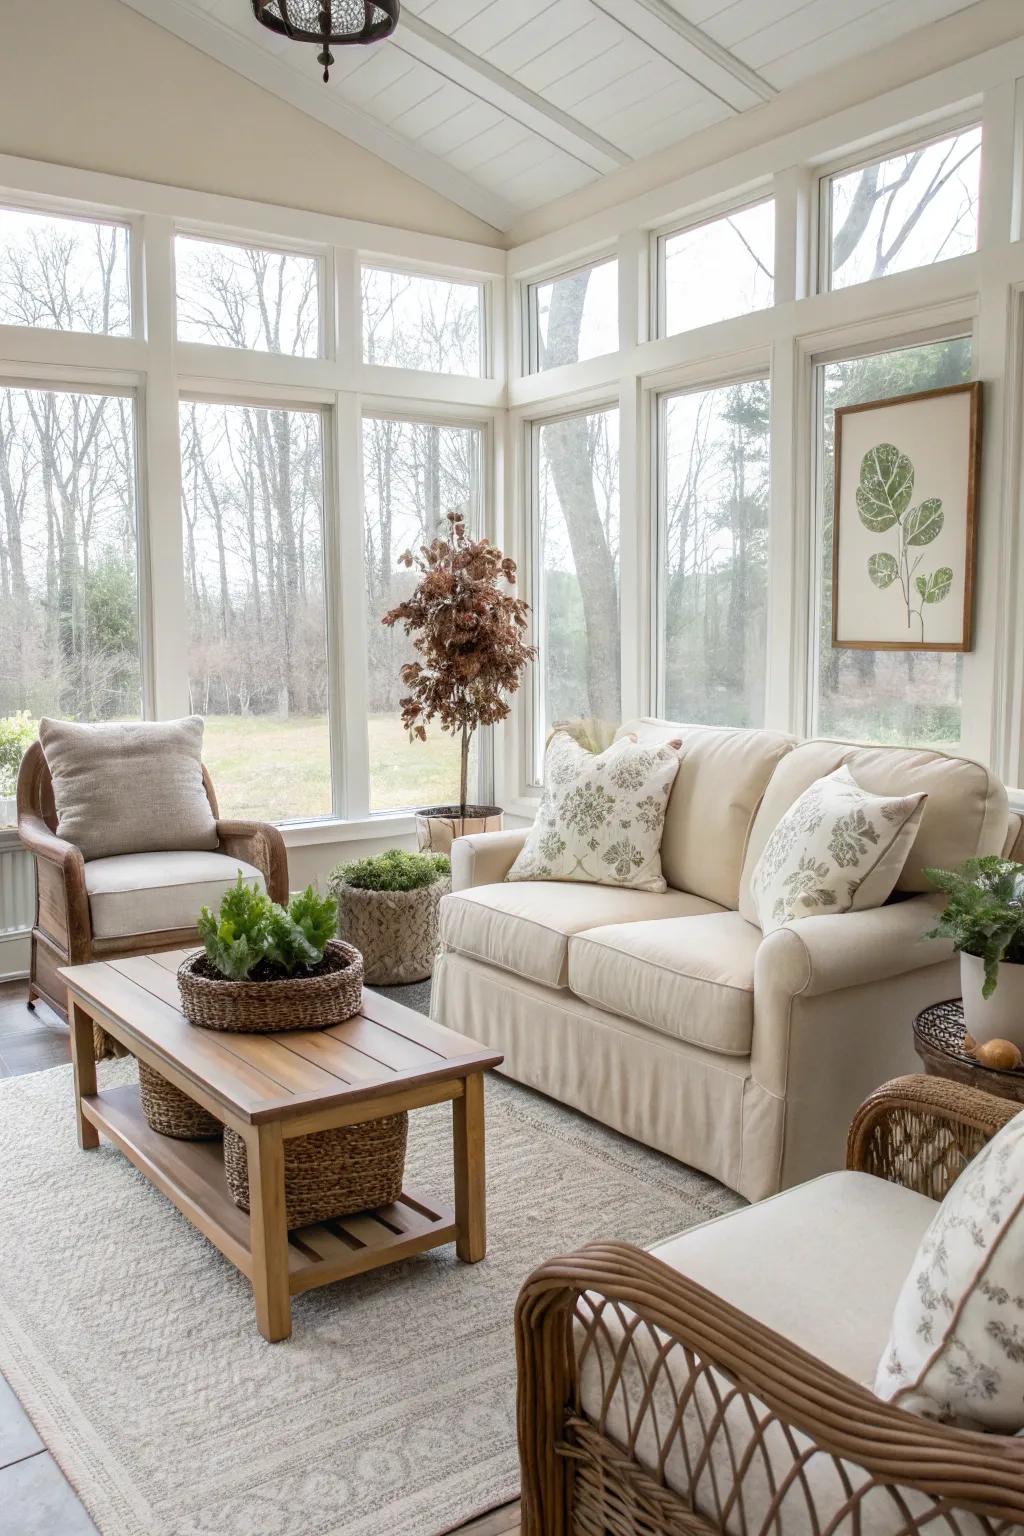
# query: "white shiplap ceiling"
504, 105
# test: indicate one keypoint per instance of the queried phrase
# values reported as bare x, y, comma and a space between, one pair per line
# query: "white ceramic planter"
1001, 1016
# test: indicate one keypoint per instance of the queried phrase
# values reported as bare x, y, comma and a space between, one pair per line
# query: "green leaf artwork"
884, 498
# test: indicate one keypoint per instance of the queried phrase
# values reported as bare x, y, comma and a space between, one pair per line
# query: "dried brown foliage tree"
468, 635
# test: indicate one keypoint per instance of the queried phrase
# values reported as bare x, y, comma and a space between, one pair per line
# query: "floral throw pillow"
601, 815
956, 1348
837, 849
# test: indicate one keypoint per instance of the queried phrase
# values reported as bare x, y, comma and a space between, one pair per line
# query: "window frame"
751, 198
876, 154
453, 278
751, 374
61, 209
529, 319
534, 737
320, 255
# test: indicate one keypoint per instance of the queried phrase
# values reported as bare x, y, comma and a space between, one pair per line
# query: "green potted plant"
387, 908
468, 635
984, 916
17, 732
266, 968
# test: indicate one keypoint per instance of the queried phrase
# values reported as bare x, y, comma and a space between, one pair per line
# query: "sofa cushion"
692, 977
525, 927
133, 787
966, 812
820, 1264
156, 892
721, 778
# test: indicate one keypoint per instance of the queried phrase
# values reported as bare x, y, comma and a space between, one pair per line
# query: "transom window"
432, 324
64, 274
909, 210
248, 297
717, 269
573, 316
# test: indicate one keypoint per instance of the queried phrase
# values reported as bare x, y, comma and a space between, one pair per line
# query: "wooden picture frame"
914, 464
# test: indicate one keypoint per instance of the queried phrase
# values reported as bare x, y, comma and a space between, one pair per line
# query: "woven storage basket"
395, 931
172, 1112
261, 1007
331, 1173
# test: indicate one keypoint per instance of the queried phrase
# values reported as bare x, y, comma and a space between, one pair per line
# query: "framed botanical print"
903, 531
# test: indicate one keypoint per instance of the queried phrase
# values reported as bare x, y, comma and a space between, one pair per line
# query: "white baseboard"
14, 956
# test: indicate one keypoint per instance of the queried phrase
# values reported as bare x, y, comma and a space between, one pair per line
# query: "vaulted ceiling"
505, 105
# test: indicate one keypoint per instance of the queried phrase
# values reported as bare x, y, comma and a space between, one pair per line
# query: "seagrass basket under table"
280, 1093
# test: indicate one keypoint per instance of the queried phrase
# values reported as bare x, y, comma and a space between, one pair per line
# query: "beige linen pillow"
601, 815
956, 1349
129, 788
837, 849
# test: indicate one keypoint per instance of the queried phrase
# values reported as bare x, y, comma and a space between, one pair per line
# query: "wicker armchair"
63, 930
767, 1439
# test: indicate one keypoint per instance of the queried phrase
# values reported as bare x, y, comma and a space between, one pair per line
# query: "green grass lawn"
274, 769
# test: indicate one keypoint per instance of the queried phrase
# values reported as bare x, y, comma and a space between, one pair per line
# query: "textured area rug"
133, 1346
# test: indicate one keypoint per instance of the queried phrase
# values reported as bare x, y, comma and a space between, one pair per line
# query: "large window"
69, 598
61, 274
252, 483
428, 323
713, 548
576, 577
721, 268
910, 210
415, 474
573, 317
885, 696
247, 296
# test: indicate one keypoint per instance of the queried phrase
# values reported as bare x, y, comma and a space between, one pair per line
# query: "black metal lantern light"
329, 22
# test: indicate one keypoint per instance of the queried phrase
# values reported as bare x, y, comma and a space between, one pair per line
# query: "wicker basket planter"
330, 994
173, 1113
331, 1173
395, 931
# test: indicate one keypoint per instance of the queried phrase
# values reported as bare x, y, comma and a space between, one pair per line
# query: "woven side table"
939, 1041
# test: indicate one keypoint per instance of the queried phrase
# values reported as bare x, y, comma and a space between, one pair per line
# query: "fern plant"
984, 915
251, 930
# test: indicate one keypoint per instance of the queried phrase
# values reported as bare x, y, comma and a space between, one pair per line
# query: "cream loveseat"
669, 1017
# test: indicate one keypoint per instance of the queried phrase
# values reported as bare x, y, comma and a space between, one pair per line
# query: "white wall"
92, 84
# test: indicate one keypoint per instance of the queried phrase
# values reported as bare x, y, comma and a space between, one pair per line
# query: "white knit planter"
395, 931
1001, 1016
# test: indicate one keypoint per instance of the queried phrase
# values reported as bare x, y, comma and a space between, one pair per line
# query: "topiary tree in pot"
471, 652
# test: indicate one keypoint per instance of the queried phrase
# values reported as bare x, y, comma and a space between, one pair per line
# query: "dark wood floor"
33, 1041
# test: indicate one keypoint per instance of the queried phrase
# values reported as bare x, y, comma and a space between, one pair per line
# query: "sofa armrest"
767, 1433
485, 858
849, 949
259, 843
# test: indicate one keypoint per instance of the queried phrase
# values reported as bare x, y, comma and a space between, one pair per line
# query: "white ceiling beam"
720, 72
294, 84
449, 58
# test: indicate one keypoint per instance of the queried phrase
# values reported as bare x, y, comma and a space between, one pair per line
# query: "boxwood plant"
391, 871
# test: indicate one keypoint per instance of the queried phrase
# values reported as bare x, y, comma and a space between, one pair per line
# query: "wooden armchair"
731, 1427
63, 933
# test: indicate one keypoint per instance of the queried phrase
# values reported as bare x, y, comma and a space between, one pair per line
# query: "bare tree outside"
415, 473
62, 274
723, 267
427, 323
910, 210
247, 297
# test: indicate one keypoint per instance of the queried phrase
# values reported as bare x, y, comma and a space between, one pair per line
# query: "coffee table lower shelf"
191, 1175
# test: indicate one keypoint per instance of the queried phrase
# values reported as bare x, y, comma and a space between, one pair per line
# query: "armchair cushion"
134, 893
129, 788
691, 977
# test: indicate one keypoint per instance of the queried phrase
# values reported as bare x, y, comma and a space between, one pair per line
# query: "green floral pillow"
601, 815
837, 849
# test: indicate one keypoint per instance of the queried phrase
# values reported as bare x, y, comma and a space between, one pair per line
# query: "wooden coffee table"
268, 1088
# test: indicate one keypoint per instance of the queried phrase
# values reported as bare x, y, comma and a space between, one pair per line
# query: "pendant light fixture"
330, 23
